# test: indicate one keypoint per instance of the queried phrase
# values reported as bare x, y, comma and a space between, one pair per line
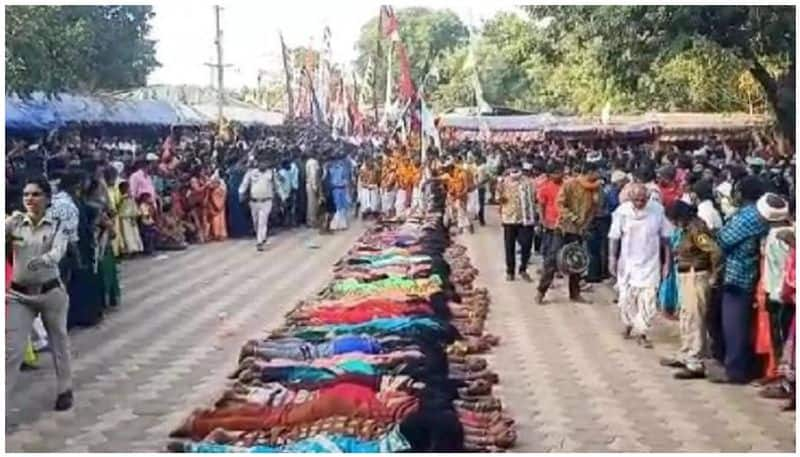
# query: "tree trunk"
780, 95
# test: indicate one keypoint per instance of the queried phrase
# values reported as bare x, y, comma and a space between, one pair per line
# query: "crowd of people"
114, 197
704, 234
701, 231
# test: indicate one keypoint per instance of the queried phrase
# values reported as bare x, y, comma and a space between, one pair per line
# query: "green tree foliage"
84, 48
453, 87
575, 59
636, 38
428, 35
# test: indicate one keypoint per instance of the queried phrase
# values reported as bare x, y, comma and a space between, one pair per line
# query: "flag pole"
377, 59
289, 96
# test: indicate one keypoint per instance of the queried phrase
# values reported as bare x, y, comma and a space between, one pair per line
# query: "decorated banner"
428, 127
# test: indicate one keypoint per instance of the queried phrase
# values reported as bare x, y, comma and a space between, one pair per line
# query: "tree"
705, 78
84, 48
453, 88
503, 55
427, 34
635, 38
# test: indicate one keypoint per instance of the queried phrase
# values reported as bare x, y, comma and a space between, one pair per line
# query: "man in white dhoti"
313, 184
388, 185
638, 236
368, 193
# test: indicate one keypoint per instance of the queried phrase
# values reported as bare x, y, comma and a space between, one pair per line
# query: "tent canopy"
158, 106
466, 122
204, 101
42, 112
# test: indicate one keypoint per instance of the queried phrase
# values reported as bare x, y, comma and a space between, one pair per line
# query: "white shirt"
62, 208
724, 193
774, 253
709, 215
260, 184
640, 233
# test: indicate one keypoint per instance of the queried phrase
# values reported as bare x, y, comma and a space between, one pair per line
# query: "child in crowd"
147, 222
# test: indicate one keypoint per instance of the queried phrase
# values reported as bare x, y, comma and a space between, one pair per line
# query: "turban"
772, 208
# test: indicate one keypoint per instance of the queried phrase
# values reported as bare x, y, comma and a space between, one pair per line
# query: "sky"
185, 33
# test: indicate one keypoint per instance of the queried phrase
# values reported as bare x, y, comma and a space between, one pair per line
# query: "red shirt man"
547, 195
669, 186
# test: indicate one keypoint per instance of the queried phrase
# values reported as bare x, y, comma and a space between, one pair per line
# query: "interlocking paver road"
573, 384
169, 348
566, 376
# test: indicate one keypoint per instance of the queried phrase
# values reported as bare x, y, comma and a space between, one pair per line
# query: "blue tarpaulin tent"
40, 112
144, 107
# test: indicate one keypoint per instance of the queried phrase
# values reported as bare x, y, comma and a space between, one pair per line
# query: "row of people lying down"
384, 362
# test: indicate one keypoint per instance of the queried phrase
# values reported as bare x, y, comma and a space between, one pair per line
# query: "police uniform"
259, 188
697, 259
36, 289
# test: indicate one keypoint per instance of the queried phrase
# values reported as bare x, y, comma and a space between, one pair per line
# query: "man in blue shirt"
739, 239
287, 189
340, 181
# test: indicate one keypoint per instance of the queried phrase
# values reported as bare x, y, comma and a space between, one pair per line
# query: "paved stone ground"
567, 377
573, 384
169, 348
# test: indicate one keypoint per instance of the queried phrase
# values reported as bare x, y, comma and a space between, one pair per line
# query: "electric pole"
219, 66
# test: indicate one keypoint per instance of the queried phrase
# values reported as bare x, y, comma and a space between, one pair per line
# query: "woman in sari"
85, 287
215, 210
668, 291
784, 386
196, 198
178, 211
238, 216
128, 240
99, 198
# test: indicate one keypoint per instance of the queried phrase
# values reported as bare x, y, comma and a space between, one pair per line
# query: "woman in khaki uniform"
38, 242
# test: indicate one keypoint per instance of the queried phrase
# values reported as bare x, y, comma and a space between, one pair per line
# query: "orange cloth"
215, 212
345, 399
408, 174
414, 175
762, 332
458, 183
197, 198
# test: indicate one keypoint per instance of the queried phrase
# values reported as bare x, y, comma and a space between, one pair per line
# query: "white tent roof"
204, 101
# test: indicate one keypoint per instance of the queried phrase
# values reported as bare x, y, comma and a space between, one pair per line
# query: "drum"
573, 258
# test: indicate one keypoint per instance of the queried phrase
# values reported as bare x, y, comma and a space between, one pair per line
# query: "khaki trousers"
693, 294
22, 310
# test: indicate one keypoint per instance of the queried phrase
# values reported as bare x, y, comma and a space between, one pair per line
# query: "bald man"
638, 241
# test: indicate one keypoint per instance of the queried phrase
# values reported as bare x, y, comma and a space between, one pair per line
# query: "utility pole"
219, 66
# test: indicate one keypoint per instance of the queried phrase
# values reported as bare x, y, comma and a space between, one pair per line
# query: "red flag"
390, 24
406, 84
